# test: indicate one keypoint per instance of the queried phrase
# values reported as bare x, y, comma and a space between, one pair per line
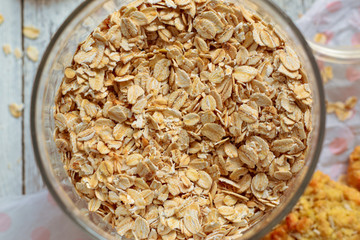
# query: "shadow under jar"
59, 55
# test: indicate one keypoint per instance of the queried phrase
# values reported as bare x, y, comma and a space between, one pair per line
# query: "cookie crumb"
353, 173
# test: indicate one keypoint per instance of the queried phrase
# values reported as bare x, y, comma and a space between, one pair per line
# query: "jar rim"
336, 54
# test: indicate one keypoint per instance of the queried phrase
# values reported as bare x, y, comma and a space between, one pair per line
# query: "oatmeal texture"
328, 210
183, 119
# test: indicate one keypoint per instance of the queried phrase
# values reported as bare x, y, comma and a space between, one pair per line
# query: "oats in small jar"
342, 110
183, 119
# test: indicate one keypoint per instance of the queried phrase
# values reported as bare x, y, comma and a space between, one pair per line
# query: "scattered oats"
16, 109
31, 32
343, 111
18, 53
32, 53
7, 49
183, 119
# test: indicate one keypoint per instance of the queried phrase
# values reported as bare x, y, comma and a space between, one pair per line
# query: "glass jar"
49, 77
332, 30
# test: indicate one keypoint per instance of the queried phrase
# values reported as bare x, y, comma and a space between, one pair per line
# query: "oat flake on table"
32, 53
1, 18
183, 119
7, 49
31, 32
16, 109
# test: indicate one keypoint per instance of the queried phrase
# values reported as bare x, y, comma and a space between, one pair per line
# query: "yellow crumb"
353, 173
327, 210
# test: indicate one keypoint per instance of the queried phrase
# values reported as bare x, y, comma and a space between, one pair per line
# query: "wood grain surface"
18, 172
11, 85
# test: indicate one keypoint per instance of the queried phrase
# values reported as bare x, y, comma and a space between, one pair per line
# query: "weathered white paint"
15, 141
10, 92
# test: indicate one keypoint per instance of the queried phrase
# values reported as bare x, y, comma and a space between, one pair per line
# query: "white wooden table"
18, 171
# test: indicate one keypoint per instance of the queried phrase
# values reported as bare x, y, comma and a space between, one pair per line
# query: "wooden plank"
10, 92
47, 15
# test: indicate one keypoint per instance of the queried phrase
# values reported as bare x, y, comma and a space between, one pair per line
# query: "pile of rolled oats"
183, 119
